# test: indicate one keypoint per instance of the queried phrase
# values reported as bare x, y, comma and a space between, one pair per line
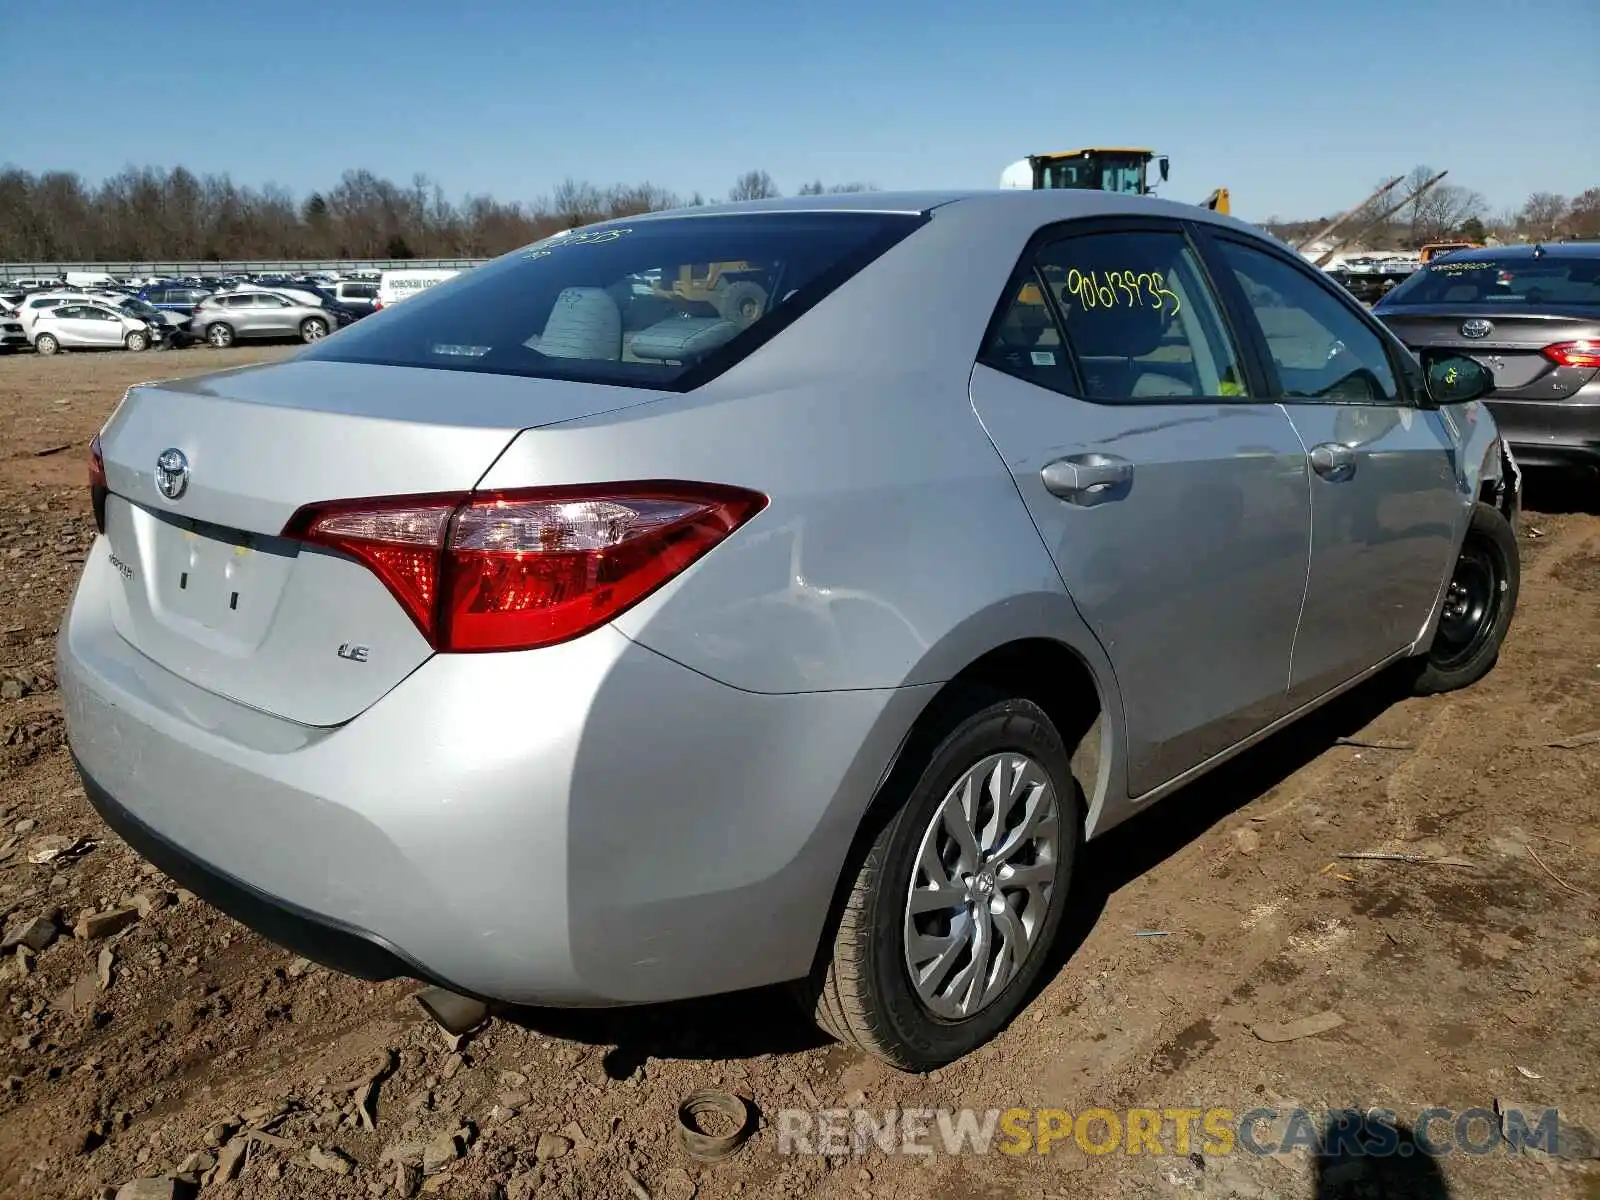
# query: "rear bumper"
1554, 433
352, 951
585, 824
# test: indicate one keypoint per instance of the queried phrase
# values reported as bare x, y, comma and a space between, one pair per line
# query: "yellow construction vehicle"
1121, 169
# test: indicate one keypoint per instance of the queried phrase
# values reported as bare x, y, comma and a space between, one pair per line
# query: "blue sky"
1299, 108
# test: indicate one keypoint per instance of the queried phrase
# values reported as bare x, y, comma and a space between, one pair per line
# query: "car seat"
584, 322
1109, 340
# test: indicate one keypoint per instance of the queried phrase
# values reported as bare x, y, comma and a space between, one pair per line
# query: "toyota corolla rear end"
344, 660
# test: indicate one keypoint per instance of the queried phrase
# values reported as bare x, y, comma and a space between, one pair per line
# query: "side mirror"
1455, 379
1165, 165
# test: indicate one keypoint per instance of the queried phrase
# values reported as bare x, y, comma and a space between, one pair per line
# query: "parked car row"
86, 311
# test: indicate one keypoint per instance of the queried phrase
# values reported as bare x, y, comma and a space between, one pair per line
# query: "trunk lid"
1512, 348
208, 587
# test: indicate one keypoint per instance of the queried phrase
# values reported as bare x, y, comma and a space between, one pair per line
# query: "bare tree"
754, 185
1543, 214
816, 188
1438, 213
1583, 216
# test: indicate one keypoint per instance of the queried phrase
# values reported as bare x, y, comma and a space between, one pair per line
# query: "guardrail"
277, 266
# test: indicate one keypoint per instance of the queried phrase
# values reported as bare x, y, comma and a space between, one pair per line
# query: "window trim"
1233, 294
1026, 269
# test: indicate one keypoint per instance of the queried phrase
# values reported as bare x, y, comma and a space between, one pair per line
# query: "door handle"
1087, 478
1333, 461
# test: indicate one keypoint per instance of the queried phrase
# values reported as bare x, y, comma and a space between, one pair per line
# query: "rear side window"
1136, 315
665, 302
359, 291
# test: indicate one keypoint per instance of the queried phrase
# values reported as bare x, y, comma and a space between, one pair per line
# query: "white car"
89, 325
37, 302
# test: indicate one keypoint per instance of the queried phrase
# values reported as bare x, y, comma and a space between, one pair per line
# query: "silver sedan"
781, 592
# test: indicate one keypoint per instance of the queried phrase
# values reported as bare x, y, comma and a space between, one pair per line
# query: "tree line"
146, 213
1448, 212
150, 213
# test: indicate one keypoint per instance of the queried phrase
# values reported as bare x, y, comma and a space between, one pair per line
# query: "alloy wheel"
983, 885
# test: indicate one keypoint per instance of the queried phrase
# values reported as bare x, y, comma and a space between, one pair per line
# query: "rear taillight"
1585, 353
518, 569
97, 483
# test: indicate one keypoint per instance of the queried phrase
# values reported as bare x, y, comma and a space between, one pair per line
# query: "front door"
1384, 502
105, 329
1174, 502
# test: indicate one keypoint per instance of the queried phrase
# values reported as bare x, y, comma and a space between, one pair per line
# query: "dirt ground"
138, 1053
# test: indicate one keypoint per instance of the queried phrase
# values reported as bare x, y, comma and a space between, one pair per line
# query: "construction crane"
1124, 170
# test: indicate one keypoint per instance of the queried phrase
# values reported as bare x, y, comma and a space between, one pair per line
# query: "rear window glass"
663, 302
1516, 281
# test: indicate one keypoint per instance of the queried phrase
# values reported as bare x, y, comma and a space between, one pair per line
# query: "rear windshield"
664, 302
1503, 281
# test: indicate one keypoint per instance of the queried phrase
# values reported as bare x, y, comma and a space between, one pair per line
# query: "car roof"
1521, 251
1001, 204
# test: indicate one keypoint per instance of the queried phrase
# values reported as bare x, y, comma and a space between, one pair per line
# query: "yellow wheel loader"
1121, 169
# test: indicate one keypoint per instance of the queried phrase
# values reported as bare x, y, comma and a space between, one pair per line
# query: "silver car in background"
92, 325
228, 317
565, 637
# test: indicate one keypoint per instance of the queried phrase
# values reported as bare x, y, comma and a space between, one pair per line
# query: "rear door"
1171, 495
1386, 511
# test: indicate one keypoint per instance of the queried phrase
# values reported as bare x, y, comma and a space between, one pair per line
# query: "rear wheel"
137, 341
220, 335
742, 301
1479, 603
950, 916
46, 343
313, 329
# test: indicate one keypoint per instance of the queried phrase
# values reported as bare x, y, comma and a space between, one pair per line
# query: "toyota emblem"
172, 472
1477, 327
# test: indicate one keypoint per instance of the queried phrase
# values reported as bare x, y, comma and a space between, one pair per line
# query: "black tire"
220, 334
861, 992
1478, 609
741, 301
46, 344
137, 342
313, 329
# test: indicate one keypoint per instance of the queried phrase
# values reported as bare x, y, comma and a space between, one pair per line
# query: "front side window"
1321, 350
663, 302
1137, 316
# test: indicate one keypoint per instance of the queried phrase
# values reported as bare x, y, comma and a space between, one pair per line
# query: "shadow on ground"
1576, 491
1364, 1159
768, 1021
